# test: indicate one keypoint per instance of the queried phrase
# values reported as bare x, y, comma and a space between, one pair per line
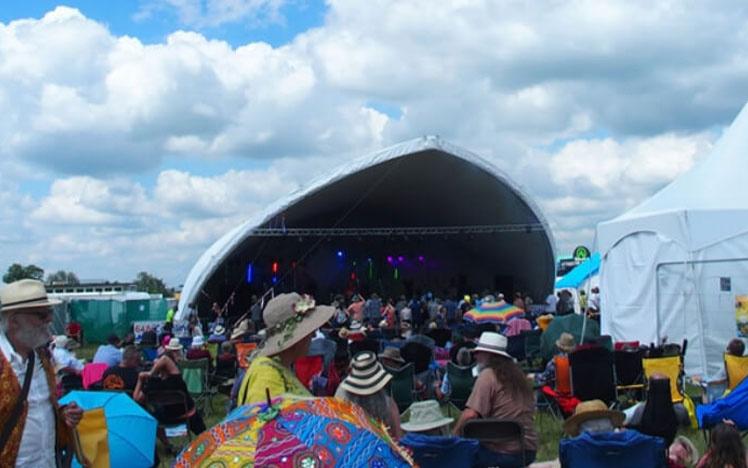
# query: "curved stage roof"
423, 215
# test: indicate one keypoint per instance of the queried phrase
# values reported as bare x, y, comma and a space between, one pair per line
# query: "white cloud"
97, 113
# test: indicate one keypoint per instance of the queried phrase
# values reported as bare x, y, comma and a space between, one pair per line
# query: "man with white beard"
32, 425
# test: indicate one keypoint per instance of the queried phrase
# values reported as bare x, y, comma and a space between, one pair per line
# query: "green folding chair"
461, 380
403, 386
195, 376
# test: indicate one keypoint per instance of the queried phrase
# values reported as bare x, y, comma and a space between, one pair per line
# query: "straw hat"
393, 354
566, 342
241, 329
289, 319
25, 294
424, 416
219, 330
494, 343
174, 345
367, 375
593, 409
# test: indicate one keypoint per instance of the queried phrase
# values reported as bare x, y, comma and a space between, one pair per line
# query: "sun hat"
25, 294
241, 329
592, 409
566, 342
219, 330
197, 342
174, 345
367, 376
393, 354
290, 318
424, 416
490, 342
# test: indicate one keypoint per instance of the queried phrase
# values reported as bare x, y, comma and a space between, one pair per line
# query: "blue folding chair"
439, 451
613, 450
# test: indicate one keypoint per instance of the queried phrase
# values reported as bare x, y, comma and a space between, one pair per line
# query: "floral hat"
289, 319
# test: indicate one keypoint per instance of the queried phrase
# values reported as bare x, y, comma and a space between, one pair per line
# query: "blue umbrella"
131, 430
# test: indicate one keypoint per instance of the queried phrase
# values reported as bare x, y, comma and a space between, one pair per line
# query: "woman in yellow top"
291, 321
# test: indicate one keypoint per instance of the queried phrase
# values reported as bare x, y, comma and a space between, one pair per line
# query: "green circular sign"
581, 253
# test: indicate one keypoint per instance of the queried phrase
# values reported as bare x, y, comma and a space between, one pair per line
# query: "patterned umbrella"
493, 312
296, 432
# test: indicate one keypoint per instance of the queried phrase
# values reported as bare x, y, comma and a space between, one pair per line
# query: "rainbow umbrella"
493, 312
296, 432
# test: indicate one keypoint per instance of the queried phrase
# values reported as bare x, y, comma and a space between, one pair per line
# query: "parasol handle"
267, 395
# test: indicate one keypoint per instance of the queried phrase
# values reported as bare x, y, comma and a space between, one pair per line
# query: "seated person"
565, 344
391, 358
657, 418
682, 453
218, 335
501, 391
123, 376
110, 353
635, 413
166, 376
726, 448
717, 386
64, 357
426, 418
198, 351
365, 385
226, 361
593, 416
243, 331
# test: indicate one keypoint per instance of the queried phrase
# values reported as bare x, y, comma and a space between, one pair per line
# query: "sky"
135, 133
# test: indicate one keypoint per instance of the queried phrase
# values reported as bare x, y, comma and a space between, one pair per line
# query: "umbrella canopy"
296, 432
131, 431
572, 323
493, 312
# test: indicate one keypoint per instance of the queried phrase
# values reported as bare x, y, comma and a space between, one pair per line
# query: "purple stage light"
421, 258
400, 258
389, 258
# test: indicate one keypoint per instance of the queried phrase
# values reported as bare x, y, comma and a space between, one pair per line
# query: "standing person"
292, 320
255, 313
388, 313
725, 449
501, 391
32, 424
373, 309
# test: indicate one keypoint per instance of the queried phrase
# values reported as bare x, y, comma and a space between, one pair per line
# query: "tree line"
143, 281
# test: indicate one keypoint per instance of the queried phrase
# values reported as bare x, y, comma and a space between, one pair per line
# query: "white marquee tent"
425, 184
673, 266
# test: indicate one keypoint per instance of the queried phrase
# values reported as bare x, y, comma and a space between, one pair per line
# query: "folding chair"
243, 352
496, 431
164, 404
670, 366
532, 349
195, 376
629, 372
516, 346
461, 380
593, 375
402, 386
612, 450
736, 368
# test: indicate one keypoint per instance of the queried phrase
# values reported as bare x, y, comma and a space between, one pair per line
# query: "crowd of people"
364, 343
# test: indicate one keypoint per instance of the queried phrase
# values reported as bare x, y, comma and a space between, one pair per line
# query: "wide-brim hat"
197, 341
588, 410
219, 330
25, 294
490, 342
393, 354
424, 416
241, 329
367, 376
174, 345
566, 342
290, 318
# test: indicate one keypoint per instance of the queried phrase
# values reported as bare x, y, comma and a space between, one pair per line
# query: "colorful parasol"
296, 432
493, 312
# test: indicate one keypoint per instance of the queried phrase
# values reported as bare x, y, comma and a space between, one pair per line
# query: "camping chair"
736, 368
629, 372
516, 346
496, 431
430, 450
195, 376
403, 386
532, 349
612, 450
593, 375
243, 352
670, 366
149, 353
161, 403
461, 380
558, 400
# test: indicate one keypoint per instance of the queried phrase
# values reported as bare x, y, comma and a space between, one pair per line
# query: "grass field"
549, 429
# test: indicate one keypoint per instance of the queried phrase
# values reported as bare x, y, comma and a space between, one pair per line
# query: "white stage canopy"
441, 216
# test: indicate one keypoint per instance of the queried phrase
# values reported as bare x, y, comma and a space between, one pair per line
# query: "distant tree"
63, 277
151, 284
18, 272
